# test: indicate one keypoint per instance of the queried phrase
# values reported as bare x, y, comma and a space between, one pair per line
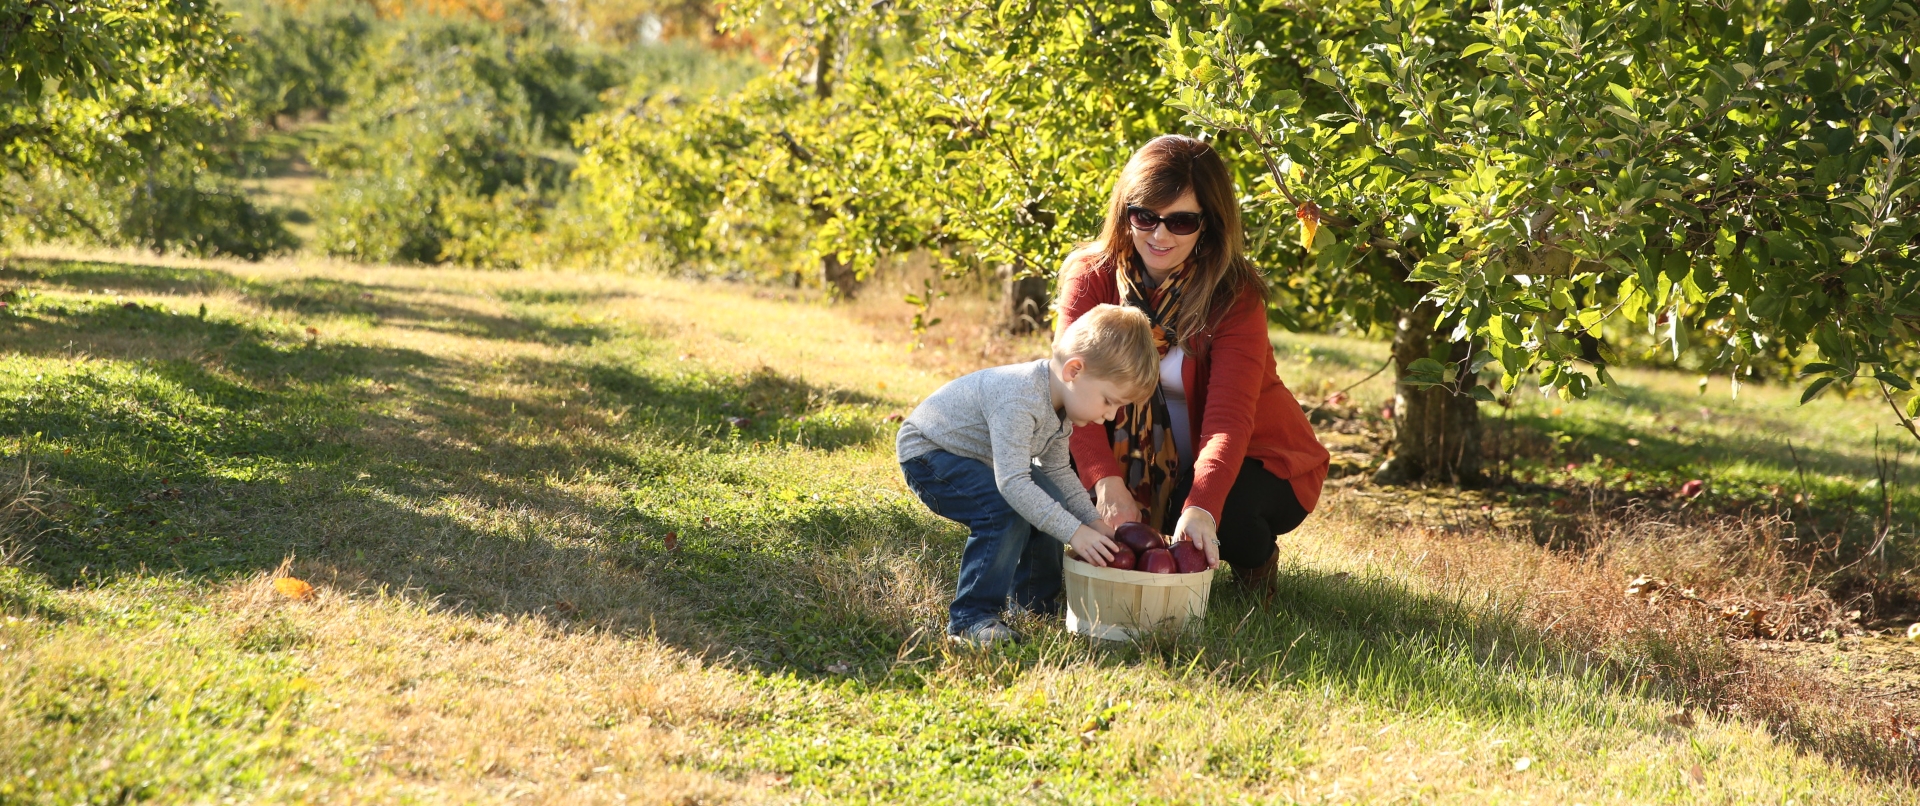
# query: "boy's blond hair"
1116, 343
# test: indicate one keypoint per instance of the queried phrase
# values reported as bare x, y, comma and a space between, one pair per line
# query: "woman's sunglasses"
1144, 220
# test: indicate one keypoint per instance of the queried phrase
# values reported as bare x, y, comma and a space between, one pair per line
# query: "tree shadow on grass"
1761, 444
310, 296
216, 448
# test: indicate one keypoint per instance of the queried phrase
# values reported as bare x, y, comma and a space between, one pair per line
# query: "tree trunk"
838, 276
1026, 299
1436, 431
834, 273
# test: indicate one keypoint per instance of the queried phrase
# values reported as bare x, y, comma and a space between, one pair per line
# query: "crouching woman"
1221, 452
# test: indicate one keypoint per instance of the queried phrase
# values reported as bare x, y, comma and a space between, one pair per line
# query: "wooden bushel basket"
1115, 605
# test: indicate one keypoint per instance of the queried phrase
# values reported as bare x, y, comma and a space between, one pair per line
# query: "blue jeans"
1003, 554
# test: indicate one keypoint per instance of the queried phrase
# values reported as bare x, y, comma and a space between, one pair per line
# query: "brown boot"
1260, 578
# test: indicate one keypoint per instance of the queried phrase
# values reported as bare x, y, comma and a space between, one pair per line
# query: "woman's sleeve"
1235, 375
1092, 454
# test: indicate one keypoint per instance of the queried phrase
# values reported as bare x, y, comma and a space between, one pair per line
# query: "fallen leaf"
894, 418
1698, 775
1645, 586
1682, 718
1522, 763
672, 541
840, 667
565, 608
1692, 488
295, 589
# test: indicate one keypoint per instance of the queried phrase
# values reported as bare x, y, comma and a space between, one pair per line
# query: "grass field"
592, 538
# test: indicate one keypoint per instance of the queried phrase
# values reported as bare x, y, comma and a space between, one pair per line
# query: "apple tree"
985, 133
1740, 173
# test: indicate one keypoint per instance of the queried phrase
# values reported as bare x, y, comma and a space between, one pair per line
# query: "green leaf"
1816, 368
1163, 10
1424, 371
1474, 49
1913, 407
1814, 389
1677, 333
1481, 393
1510, 332
1893, 380
1480, 360
1621, 94
1590, 321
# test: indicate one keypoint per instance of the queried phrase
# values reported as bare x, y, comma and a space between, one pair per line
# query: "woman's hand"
1115, 502
1198, 526
1092, 546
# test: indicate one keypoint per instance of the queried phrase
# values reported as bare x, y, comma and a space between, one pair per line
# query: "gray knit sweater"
1004, 417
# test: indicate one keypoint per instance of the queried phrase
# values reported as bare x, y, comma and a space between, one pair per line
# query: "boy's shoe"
985, 634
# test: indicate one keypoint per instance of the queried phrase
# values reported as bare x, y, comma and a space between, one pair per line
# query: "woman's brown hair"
1155, 176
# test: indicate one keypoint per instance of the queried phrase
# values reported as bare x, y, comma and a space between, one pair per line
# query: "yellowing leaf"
1309, 215
295, 589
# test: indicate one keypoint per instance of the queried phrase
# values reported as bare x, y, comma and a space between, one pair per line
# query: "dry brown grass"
1672, 600
23, 498
452, 708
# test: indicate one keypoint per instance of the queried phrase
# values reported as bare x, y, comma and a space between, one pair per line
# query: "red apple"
1139, 537
1188, 558
1157, 561
1123, 558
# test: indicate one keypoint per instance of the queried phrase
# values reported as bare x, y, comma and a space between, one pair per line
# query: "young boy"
970, 449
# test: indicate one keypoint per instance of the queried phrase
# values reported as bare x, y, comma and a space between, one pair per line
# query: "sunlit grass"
585, 538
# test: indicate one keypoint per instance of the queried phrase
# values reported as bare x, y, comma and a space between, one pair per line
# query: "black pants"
1260, 507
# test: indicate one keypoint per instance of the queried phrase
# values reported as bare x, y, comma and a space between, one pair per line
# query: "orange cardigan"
1236, 403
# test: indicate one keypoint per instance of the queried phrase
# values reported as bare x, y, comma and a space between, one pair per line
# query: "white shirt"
1174, 386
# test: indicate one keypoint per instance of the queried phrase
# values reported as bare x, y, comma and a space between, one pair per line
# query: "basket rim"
1079, 567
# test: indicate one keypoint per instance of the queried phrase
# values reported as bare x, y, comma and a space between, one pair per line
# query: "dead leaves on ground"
1805, 618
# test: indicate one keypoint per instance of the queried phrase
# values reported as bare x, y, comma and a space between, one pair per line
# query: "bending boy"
970, 452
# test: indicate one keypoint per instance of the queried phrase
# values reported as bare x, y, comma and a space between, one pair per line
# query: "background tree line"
442, 131
1534, 193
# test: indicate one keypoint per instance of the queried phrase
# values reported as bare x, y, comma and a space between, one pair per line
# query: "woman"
1222, 453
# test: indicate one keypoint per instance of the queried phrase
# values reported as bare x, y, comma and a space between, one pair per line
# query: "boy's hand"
1115, 502
1195, 524
1092, 546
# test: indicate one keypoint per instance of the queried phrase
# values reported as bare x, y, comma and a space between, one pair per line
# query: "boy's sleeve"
1056, 464
1010, 430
